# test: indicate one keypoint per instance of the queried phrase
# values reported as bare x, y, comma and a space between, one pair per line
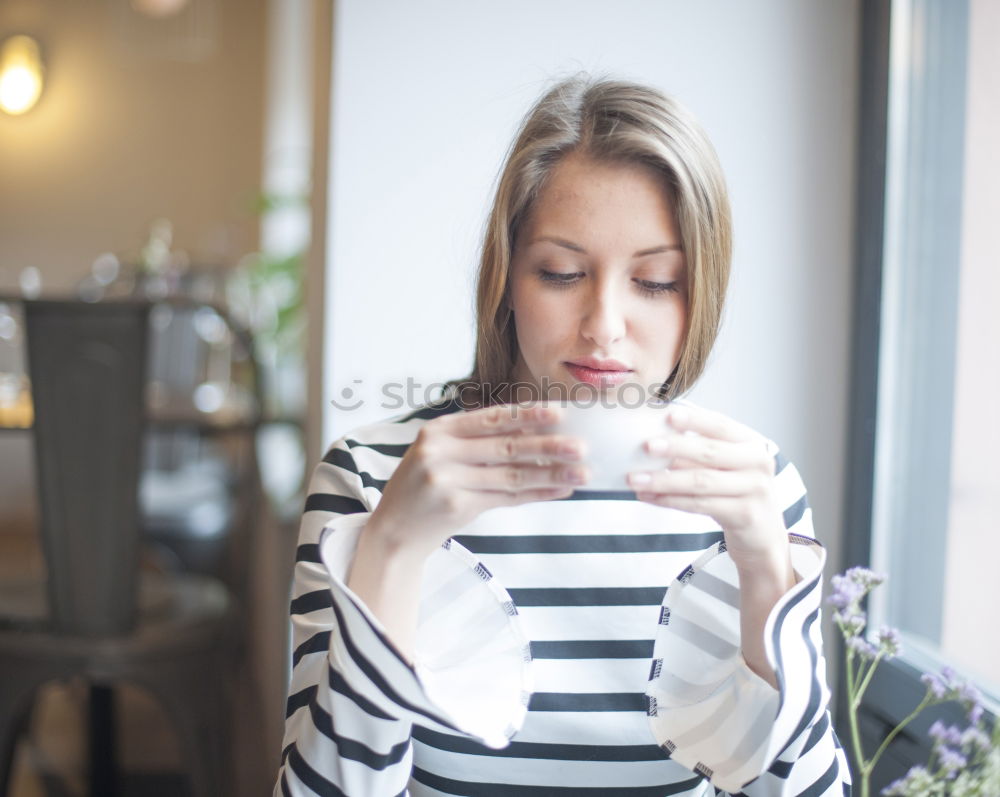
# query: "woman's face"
597, 284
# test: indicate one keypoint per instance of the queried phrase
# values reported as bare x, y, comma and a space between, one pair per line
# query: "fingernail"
639, 479
570, 450
658, 446
574, 476
678, 415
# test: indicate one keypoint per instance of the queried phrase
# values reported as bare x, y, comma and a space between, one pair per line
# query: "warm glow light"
20, 74
159, 9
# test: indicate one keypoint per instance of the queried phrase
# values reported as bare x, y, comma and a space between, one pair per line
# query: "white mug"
615, 438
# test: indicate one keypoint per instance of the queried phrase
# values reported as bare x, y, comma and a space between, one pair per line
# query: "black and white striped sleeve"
352, 698
711, 712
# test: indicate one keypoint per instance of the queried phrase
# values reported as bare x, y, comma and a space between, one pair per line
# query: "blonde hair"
620, 122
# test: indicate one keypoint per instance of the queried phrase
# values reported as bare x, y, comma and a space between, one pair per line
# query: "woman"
468, 618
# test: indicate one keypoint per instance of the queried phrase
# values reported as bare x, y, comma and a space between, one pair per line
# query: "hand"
720, 468
717, 467
465, 463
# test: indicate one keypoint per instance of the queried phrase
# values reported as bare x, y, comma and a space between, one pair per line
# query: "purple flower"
918, 779
889, 641
969, 695
851, 623
945, 734
848, 589
935, 685
865, 578
951, 760
974, 737
948, 686
845, 592
973, 700
862, 646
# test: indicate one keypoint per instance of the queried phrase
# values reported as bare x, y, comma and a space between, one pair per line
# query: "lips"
596, 364
599, 373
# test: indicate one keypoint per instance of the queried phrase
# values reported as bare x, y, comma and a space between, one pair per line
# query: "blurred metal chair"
199, 490
172, 635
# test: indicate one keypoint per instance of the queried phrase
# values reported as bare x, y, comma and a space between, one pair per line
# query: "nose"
603, 318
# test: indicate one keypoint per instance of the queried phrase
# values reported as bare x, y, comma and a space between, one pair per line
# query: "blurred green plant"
266, 291
275, 283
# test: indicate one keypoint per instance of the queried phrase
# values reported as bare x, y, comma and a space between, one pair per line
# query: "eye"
647, 288
558, 278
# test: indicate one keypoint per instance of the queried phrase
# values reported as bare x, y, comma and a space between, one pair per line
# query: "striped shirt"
583, 646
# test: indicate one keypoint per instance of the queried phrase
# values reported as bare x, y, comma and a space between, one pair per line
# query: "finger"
497, 499
518, 477
708, 423
525, 448
713, 506
685, 451
502, 419
696, 482
759, 527
681, 464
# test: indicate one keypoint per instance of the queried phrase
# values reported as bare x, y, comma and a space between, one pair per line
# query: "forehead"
604, 200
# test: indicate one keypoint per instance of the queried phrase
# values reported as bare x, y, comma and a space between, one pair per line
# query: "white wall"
426, 98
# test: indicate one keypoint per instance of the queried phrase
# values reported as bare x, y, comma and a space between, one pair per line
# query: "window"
924, 503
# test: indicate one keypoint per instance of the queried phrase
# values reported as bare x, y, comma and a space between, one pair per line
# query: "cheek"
536, 310
662, 330
678, 326
543, 320
521, 299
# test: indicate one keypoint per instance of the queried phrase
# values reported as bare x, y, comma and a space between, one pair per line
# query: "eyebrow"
656, 250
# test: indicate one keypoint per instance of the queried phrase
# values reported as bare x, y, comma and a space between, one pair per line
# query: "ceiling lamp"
159, 9
20, 74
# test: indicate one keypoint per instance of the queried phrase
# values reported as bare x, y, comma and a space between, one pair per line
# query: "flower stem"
867, 679
852, 715
868, 767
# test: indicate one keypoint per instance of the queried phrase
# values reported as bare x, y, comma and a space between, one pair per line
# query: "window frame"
888, 198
